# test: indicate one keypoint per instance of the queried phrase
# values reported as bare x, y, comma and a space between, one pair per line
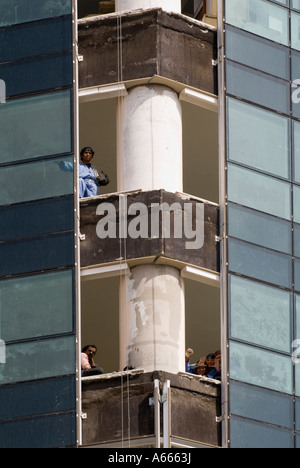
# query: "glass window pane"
295, 4
42, 217
258, 87
259, 17
257, 262
296, 151
257, 53
258, 138
257, 403
261, 368
37, 254
297, 240
38, 74
260, 192
35, 181
22, 11
297, 317
259, 228
260, 314
250, 434
297, 274
38, 360
295, 23
30, 40
29, 307
296, 204
39, 397
43, 125
52, 431
297, 372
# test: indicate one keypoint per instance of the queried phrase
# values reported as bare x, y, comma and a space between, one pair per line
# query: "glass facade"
37, 231
262, 198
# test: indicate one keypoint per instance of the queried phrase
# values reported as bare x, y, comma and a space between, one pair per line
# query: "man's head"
87, 154
90, 351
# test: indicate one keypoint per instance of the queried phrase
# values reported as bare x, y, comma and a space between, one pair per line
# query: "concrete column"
150, 132
167, 5
153, 319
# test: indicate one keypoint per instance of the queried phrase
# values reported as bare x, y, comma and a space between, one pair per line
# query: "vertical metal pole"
157, 413
167, 413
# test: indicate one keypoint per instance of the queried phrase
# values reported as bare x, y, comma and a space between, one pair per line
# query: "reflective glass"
37, 254
257, 53
296, 204
298, 415
259, 228
257, 403
38, 397
297, 375
295, 24
38, 360
297, 240
261, 368
297, 274
258, 138
37, 218
250, 434
297, 319
295, 4
258, 87
259, 17
38, 74
23, 11
260, 314
30, 309
296, 151
42, 123
52, 431
260, 192
262, 264
35, 181
30, 40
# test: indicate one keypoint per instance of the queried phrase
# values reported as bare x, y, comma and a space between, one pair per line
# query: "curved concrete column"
153, 319
151, 135
167, 5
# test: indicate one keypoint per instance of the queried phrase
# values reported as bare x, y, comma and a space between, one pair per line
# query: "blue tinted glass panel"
29, 40
258, 138
35, 181
257, 403
259, 17
261, 229
38, 360
258, 87
45, 253
297, 323
298, 415
297, 375
23, 11
43, 217
257, 262
260, 314
257, 53
42, 123
31, 309
250, 434
52, 431
261, 368
260, 192
39, 397
296, 150
296, 204
297, 240
295, 23
295, 4
39, 74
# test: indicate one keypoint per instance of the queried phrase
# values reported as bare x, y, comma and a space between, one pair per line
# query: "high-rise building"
192, 109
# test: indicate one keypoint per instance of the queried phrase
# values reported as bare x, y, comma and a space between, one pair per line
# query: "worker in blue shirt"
89, 178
